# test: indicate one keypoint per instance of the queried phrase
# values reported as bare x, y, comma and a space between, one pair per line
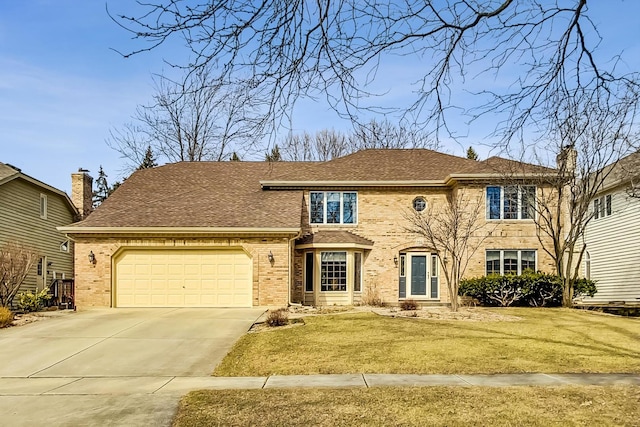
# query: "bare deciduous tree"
535, 49
329, 144
388, 135
323, 146
195, 120
454, 230
591, 137
16, 261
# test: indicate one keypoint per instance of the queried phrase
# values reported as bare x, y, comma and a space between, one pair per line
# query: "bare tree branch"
455, 231
16, 261
194, 120
281, 51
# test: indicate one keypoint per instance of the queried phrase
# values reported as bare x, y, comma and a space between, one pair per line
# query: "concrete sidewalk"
180, 385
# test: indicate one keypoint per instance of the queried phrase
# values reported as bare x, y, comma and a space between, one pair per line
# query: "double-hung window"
510, 261
602, 206
511, 202
333, 207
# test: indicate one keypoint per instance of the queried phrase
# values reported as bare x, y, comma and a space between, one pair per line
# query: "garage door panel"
183, 278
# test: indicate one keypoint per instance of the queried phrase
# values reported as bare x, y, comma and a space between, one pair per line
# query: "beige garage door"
183, 278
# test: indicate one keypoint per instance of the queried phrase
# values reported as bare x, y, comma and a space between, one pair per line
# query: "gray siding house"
612, 237
30, 211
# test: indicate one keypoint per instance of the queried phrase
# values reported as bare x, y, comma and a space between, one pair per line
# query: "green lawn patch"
545, 340
426, 406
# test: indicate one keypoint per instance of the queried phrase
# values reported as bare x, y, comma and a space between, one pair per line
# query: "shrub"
279, 317
28, 301
533, 289
409, 304
6, 317
372, 297
584, 287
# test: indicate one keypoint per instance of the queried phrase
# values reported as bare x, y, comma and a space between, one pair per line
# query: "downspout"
290, 272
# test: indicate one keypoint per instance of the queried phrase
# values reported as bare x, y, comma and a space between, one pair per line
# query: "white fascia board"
315, 184
177, 230
334, 246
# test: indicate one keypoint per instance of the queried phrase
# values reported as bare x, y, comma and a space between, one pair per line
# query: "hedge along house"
239, 234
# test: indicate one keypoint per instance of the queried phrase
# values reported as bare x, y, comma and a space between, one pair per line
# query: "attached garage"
182, 278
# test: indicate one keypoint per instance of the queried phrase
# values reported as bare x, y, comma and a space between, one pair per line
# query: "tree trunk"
567, 293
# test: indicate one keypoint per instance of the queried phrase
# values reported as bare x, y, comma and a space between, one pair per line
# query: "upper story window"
43, 206
333, 207
602, 206
511, 202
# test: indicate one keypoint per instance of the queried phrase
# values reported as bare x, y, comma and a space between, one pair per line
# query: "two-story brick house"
257, 233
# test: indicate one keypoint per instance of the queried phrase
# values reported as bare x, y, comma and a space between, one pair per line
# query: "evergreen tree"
235, 157
102, 188
149, 161
274, 156
115, 186
471, 154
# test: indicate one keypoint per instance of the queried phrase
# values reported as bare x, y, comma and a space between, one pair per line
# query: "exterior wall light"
92, 257
395, 260
271, 258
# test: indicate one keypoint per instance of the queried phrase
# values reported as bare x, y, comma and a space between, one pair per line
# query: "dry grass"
432, 406
6, 317
545, 340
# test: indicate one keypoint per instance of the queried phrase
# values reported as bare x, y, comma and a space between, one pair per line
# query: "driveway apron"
80, 357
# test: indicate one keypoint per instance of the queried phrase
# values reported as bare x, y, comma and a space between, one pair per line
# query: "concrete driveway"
105, 367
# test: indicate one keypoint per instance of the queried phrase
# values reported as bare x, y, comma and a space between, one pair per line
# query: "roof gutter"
448, 181
178, 230
313, 184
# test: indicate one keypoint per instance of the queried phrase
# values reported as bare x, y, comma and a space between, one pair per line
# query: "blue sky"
62, 87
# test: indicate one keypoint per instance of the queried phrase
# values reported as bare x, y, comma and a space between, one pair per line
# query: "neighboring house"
612, 237
222, 234
30, 212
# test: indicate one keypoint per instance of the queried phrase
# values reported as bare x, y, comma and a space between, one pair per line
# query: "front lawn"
545, 340
426, 406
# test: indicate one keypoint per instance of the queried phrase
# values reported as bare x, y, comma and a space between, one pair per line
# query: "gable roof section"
400, 167
625, 171
201, 196
8, 173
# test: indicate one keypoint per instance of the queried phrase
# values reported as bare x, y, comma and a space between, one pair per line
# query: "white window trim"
502, 198
519, 251
347, 270
587, 265
324, 209
429, 261
44, 206
354, 271
600, 207
304, 272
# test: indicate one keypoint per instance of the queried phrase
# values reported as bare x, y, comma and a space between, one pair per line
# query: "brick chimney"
566, 161
82, 192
